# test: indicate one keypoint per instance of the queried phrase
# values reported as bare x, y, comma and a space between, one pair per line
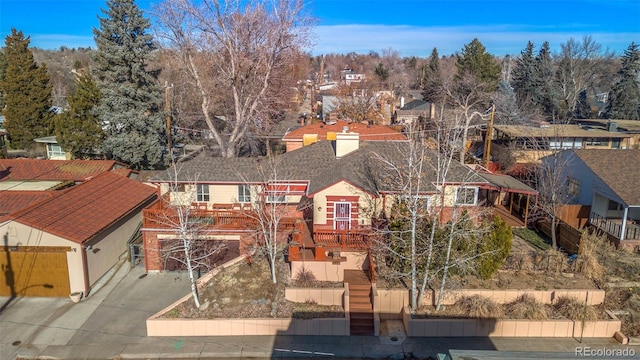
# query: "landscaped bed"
246, 290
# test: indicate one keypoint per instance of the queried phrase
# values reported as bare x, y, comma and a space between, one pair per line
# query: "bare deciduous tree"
190, 245
238, 54
361, 101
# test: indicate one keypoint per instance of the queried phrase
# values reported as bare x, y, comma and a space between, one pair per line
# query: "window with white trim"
202, 193
244, 193
467, 196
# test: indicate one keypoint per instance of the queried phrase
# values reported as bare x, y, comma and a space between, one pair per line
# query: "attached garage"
35, 271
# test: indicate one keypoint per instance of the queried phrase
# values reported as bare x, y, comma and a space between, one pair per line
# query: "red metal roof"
84, 210
367, 132
75, 170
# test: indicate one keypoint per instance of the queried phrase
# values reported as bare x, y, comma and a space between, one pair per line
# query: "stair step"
362, 331
363, 308
360, 292
361, 322
359, 286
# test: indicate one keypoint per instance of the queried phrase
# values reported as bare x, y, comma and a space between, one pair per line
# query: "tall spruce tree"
26, 89
79, 130
624, 98
523, 77
547, 97
432, 79
131, 104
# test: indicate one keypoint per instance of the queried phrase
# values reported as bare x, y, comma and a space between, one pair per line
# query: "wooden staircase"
360, 305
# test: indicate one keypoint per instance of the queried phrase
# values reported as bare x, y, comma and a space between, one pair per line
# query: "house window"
54, 150
614, 206
573, 187
467, 196
597, 142
203, 193
615, 143
276, 199
244, 193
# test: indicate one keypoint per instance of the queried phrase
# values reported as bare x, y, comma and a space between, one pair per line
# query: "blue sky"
411, 27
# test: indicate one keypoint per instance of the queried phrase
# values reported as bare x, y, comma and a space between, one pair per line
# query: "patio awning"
506, 183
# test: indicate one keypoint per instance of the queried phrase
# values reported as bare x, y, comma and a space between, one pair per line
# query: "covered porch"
619, 228
510, 198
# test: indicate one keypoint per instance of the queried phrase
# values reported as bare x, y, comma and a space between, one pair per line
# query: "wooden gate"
31, 271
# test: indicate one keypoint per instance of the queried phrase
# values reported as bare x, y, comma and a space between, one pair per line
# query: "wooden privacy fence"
567, 237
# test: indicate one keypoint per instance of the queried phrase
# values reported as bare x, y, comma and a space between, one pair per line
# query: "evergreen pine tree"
624, 98
79, 130
583, 108
3, 69
432, 79
546, 94
523, 75
26, 90
476, 61
131, 104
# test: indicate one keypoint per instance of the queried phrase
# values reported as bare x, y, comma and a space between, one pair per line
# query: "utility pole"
167, 110
486, 156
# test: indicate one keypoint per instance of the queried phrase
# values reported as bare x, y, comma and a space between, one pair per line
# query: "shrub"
305, 277
480, 307
593, 252
574, 309
526, 307
497, 246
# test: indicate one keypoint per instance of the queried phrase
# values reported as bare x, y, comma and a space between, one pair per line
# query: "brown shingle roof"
75, 170
317, 164
367, 132
84, 210
619, 169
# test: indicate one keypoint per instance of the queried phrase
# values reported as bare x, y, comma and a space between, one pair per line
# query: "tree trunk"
554, 232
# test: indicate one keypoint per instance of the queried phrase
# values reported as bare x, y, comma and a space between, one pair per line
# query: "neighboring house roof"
75, 170
417, 105
364, 168
37, 185
83, 211
46, 140
14, 201
618, 169
556, 130
367, 132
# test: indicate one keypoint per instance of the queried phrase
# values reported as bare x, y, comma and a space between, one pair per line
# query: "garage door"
34, 271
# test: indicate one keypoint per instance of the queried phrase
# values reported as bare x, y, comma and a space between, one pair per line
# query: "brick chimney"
346, 142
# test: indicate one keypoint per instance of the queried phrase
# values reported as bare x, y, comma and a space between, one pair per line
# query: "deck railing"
614, 227
158, 216
353, 239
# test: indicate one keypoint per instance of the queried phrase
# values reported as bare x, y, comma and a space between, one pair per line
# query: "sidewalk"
110, 324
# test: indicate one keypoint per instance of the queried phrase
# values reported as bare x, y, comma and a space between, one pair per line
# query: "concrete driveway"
114, 315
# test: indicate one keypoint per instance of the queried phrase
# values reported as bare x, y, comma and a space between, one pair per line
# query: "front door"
342, 216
